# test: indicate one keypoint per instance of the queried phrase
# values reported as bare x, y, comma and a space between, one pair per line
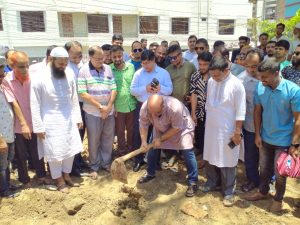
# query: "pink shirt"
174, 115
16, 91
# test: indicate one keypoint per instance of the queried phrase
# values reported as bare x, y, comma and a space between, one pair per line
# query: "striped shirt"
98, 84
199, 87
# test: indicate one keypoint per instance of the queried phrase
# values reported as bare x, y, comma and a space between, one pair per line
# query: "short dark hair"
173, 48
116, 48
106, 47
271, 42
205, 56
143, 39
269, 65
218, 63
283, 43
154, 44
218, 44
70, 44
93, 49
258, 52
243, 38
263, 34
203, 41
164, 42
136, 41
192, 36
147, 55
49, 49
280, 24
118, 37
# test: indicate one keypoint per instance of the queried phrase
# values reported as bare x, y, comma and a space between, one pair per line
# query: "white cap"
59, 52
297, 26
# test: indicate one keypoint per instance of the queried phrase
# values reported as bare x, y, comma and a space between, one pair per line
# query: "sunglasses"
199, 48
296, 53
173, 58
137, 50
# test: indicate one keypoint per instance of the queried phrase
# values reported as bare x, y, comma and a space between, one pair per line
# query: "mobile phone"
231, 144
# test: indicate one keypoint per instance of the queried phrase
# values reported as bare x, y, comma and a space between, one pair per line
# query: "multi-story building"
32, 25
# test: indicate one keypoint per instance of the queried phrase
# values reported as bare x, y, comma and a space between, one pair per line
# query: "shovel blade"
119, 171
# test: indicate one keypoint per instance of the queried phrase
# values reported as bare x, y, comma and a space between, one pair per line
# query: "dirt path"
110, 202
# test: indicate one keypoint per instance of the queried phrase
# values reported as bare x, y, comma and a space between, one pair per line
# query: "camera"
154, 83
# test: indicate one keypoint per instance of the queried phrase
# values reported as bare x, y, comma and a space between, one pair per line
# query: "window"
32, 21
226, 27
117, 24
1, 24
148, 24
180, 25
98, 23
67, 25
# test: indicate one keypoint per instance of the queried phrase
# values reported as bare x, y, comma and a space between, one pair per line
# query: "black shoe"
13, 187
191, 191
9, 194
248, 187
145, 179
138, 166
76, 173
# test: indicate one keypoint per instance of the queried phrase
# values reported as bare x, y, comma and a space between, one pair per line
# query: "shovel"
118, 168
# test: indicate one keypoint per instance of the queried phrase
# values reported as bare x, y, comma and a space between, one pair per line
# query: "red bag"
287, 166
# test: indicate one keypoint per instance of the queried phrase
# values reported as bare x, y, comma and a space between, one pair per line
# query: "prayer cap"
59, 52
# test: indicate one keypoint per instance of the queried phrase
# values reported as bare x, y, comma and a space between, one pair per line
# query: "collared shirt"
181, 78
174, 115
142, 78
195, 62
6, 119
124, 102
137, 64
292, 74
250, 83
98, 84
278, 107
199, 87
284, 64
188, 55
236, 69
16, 91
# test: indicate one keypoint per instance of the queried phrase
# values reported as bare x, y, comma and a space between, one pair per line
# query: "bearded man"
56, 118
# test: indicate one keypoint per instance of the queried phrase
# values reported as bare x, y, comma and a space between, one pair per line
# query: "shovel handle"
135, 153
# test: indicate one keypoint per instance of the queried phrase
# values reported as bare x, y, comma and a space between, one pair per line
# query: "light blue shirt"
188, 55
278, 107
142, 78
250, 84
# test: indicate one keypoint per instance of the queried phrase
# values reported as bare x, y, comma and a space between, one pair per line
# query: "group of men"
182, 102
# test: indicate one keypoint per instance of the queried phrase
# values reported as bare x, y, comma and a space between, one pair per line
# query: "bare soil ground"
109, 202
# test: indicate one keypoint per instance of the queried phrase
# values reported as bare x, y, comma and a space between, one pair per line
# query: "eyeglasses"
137, 50
199, 48
173, 58
296, 53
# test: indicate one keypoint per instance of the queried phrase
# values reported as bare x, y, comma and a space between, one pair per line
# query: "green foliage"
269, 27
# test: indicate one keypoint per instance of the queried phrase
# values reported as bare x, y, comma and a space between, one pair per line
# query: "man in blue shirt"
141, 88
277, 127
136, 52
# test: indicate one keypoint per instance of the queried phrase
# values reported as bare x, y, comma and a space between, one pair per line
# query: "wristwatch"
295, 145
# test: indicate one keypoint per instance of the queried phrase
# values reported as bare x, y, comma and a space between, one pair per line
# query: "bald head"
20, 65
19, 57
155, 105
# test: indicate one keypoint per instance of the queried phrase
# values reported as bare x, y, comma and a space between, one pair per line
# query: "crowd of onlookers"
201, 102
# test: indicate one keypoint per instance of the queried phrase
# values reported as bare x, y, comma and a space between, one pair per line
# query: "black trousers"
24, 148
199, 135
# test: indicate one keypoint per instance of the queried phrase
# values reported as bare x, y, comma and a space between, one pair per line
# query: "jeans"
251, 157
5, 159
189, 159
268, 156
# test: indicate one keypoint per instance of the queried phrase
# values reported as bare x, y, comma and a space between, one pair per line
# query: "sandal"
72, 184
63, 188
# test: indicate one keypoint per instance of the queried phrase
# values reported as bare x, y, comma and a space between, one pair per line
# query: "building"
291, 7
33, 25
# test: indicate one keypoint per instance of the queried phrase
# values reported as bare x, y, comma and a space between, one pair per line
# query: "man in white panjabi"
56, 117
225, 110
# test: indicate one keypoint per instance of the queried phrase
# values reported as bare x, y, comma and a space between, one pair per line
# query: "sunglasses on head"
199, 48
296, 53
137, 50
173, 58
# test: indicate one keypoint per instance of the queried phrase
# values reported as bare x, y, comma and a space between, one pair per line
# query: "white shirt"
225, 104
55, 111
